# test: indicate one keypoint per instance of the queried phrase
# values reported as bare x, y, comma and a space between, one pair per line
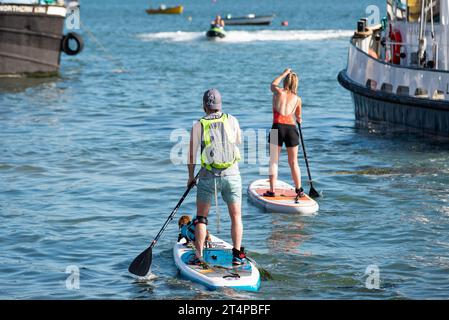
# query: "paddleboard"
221, 273
284, 202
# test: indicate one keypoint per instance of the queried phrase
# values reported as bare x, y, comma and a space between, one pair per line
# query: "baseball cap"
212, 99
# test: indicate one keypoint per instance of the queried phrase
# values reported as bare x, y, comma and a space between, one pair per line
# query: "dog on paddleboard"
187, 230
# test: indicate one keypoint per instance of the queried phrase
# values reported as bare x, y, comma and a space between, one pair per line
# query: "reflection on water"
86, 177
20, 84
396, 171
394, 131
286, 234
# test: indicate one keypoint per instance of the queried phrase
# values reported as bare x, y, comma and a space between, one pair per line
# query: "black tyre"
65, 44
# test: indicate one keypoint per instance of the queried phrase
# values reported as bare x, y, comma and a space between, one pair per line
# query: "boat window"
371, 84
421, 93
403, 91
438, 95
386, 87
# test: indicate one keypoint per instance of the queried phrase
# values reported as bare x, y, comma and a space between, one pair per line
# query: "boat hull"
30, 43
421, 114
245, 21
174, 10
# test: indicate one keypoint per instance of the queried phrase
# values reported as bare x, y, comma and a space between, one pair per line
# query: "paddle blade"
265, 274
142, 263
313, 193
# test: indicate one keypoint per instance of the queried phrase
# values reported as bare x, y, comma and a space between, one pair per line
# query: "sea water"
90, 166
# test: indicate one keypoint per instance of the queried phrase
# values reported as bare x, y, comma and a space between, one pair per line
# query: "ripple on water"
86, 177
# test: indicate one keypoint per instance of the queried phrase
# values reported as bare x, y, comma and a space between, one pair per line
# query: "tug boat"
398, 70
31, 37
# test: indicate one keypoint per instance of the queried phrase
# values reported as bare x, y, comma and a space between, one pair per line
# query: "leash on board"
217, 208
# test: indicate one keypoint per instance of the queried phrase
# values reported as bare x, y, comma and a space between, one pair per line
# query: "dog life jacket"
218, 145
188, 231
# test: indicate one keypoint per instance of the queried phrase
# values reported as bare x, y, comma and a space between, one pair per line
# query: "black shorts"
286, 133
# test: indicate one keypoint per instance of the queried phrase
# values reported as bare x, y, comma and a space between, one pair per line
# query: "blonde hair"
291, 82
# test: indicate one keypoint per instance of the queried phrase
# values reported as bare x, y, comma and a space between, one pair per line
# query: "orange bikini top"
288, 119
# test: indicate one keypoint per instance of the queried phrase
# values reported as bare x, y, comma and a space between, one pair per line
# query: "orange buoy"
284, 23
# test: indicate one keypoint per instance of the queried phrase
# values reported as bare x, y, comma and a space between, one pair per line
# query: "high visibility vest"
219, 150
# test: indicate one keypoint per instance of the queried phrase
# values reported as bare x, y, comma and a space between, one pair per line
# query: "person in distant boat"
286, 112
218, 135
218, 22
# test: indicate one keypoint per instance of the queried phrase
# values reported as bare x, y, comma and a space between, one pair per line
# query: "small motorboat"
248, 20
215, 32
166, 10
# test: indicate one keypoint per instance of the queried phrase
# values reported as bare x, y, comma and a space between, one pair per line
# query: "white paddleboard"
284, 201
221, 272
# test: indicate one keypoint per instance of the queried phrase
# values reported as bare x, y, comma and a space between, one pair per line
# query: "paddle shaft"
175, 210
305, 154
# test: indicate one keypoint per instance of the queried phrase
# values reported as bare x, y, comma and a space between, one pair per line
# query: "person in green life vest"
217, 134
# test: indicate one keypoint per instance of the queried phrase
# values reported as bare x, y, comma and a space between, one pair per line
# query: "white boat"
398, 71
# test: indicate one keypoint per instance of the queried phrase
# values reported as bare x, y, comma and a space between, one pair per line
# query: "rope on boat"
107, 53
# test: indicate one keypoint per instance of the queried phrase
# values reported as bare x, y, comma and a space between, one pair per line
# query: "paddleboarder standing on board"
286, 111
218, 135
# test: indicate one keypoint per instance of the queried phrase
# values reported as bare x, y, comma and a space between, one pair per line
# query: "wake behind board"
284, 201
221, 272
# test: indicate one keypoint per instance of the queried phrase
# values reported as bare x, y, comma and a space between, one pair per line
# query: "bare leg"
235, 212
200, 228
275, 151
294, 167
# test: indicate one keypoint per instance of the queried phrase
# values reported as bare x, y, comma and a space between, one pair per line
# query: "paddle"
142, 263
264, 273
313, 193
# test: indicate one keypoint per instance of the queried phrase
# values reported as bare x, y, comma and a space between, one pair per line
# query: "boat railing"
33, 2
412, 81
435, 53
48, 9
407, 44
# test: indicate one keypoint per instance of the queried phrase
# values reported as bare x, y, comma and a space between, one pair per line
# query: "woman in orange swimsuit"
286, 111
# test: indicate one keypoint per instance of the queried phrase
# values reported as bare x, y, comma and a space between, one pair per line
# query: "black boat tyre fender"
65, 44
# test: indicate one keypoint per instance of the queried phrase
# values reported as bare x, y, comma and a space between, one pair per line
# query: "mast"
444, 21
422, 43
434, 42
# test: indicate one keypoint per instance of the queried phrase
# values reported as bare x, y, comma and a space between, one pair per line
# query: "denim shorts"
229, 186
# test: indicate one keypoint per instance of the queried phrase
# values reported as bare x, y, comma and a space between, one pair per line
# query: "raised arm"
275, 84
